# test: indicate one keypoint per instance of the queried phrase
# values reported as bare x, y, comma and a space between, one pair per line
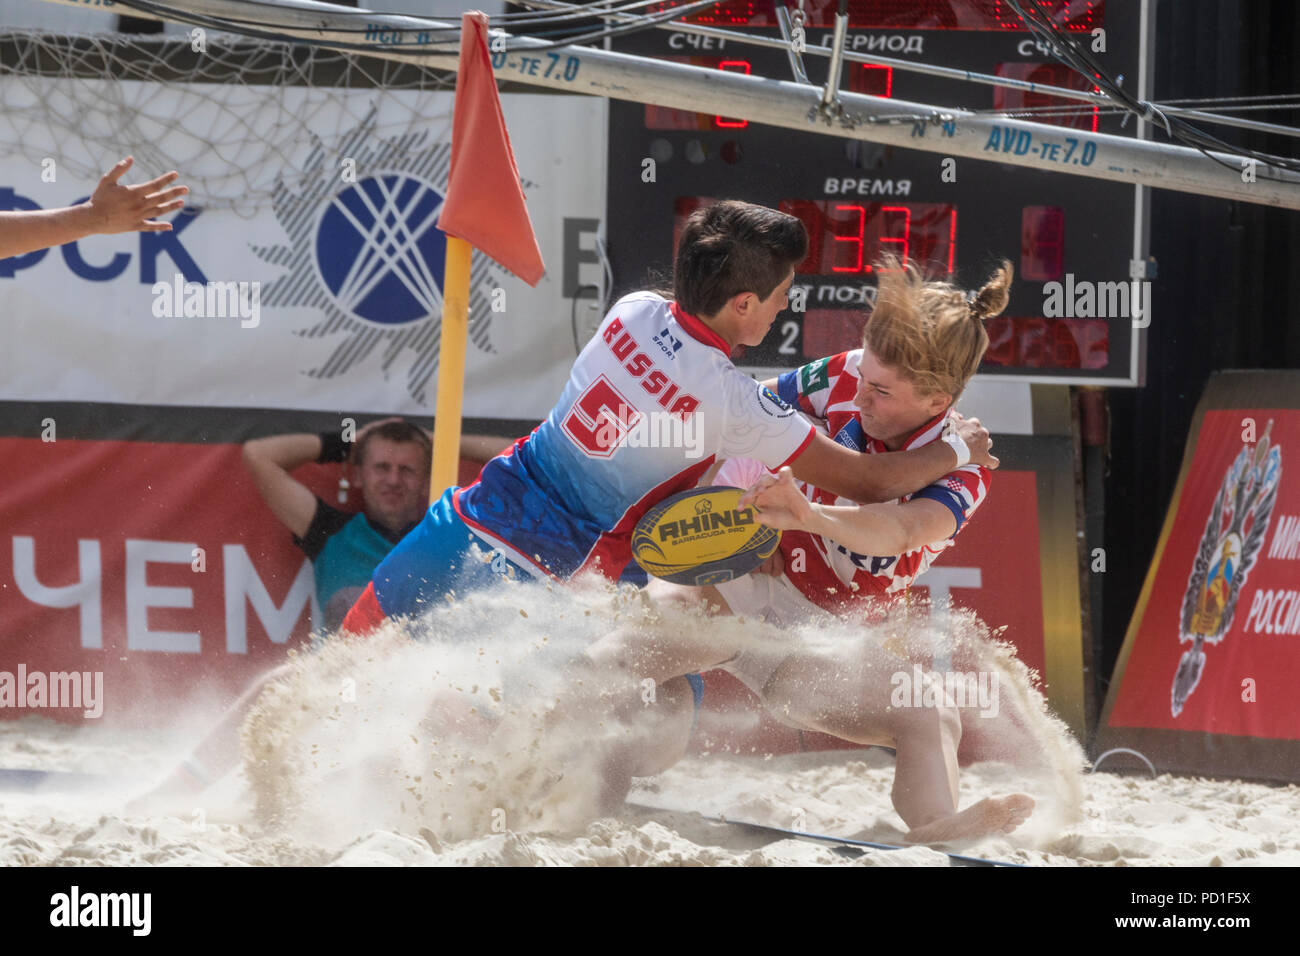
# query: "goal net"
273, 112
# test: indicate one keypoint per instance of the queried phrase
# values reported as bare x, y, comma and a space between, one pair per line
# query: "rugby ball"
701, 537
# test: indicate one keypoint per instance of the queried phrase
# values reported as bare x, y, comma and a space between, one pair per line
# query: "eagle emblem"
1233, 535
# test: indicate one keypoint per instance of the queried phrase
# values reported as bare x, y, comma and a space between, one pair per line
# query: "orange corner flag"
485, 203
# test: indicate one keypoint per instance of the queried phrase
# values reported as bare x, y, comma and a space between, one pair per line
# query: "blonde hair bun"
993, 297
924, 328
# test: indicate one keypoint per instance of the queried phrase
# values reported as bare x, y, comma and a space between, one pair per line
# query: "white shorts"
779, 603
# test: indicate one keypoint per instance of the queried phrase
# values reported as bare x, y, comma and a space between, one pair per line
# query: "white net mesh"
273, 106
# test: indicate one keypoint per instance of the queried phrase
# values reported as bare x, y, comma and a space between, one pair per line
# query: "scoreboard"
859, 200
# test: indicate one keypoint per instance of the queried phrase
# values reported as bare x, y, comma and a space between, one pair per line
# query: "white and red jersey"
650, 403
827, 573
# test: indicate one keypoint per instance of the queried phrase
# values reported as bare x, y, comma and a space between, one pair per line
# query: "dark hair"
733, 247
398, 433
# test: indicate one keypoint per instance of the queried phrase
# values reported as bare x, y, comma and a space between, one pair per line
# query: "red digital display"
870, 78
734, 66
662, 117
1072, 15
846, 238
1047, 343
1049, 74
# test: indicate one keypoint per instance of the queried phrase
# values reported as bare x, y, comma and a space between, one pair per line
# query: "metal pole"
796, 54
837, 56
953, 133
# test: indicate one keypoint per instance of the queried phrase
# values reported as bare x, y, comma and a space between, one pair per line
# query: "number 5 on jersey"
600, 419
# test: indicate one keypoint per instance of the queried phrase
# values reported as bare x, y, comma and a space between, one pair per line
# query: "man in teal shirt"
390, 465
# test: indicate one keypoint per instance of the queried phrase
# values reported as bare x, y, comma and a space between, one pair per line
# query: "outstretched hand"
116, 208
777, 503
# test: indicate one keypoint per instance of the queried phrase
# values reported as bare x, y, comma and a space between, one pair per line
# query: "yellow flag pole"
451, 367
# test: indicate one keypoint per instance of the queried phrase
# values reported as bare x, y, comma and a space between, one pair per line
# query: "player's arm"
28, 230
871, 479
112, 208
866, 529
269, 460
884, 477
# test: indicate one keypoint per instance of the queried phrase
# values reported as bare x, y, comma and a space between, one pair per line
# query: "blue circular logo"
379, 251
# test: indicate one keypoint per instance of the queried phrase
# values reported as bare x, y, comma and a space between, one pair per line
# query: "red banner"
1233, 582
1213, 652
155, 564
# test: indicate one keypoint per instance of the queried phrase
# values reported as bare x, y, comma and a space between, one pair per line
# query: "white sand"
372, 782
1166, 821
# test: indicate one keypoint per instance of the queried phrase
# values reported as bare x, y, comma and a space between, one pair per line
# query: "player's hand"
777, 502
978, 440
747, 499
116, 208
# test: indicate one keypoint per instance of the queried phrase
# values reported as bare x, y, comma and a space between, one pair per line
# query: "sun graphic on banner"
366, 252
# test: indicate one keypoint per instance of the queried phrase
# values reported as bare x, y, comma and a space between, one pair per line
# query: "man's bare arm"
113, 208
871, 479
269, 460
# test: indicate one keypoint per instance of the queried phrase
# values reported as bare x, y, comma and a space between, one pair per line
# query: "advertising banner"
1205, 681
329, 295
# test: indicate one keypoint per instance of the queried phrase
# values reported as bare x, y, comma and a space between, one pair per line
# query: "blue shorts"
436, 559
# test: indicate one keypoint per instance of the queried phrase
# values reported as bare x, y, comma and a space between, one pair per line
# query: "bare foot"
990, 815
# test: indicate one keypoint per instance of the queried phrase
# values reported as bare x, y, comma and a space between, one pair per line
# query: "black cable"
1079, 59
567, 13
1062, 46
256, 28
263, 31
573, 312
523, 16
643, 24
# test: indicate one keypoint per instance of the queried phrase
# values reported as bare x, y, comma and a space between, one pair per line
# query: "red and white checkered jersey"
827, 573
